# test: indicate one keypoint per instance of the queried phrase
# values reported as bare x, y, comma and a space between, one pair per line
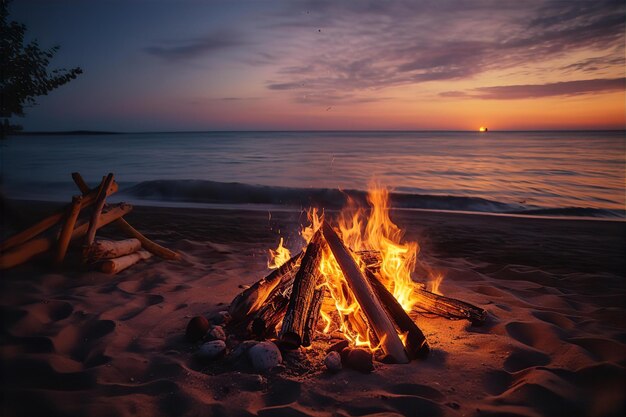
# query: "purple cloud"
564, 88
355, 48
186, 49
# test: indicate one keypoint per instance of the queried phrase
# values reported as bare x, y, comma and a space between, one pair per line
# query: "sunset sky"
288, 65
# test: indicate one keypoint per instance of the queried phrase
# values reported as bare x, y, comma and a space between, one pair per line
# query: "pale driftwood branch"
97, 209
146, 243
123, 225
80, 183
292, 331
68, 228
109, 249
113, 266
37, 246
88, 199
377, 317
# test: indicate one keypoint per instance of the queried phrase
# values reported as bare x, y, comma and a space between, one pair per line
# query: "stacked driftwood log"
294, 295
108, 255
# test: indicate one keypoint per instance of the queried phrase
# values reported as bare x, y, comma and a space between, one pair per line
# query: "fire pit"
353, 281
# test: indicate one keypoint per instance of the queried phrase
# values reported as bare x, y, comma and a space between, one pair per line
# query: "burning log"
68, 228
93, 223
250, 300
113, 266
371, 258
294, 323
108, 249
123, 225
449, 307
376, 315
88, 199
415, 344
313, 316
268, 317
37, 246
430, 302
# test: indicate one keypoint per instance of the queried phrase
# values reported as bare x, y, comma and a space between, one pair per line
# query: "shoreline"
182, 205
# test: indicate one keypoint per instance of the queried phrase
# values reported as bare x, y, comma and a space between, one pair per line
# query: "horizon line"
106, 132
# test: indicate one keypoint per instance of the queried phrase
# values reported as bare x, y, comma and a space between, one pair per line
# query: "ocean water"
566, 173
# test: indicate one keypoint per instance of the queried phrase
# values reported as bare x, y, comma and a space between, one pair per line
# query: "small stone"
196, 328
232, 341
220, 317
344, 354
278, 369
211, 350
265, 356
217, 333
360, 360
241, 349
338, 347
333, 361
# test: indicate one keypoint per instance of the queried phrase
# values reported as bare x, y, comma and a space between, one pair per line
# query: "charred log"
304, 284
450, 308
313, 316
415, 344
429, 302
251, 300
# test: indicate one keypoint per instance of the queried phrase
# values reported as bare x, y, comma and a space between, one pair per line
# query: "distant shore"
65, 133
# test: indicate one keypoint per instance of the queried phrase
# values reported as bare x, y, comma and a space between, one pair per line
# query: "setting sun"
483, 129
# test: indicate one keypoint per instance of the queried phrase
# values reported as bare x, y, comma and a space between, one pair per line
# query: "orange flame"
364, 229
435, 283
278, 256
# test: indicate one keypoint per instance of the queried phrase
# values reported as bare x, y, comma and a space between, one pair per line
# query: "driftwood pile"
108, 255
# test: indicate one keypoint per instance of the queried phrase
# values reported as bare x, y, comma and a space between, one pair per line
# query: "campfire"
352, 279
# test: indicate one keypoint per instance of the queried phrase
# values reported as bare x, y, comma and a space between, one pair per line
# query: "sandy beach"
89, 344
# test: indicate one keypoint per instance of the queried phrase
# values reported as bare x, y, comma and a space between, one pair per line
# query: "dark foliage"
24, 73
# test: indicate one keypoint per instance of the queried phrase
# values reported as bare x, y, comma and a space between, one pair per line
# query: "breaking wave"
212, 192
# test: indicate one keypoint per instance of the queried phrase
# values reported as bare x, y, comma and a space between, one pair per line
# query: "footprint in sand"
523, 358
418, 390
557, 319
541, 336
602, 349
81, 341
